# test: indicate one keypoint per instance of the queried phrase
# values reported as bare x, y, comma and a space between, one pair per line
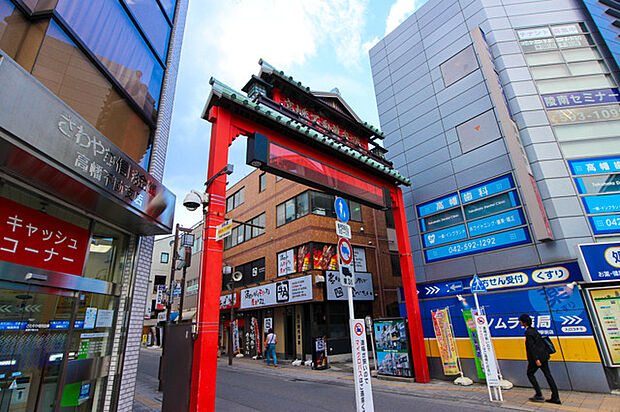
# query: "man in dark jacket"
538, 357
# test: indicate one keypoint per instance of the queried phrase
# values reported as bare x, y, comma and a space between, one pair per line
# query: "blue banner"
438, 205
602, 203
13, 325
602, 261
521, 278
605, 224
482, 244
490, 188
572, 99
497, 222
439, 237
595, 165
556, 311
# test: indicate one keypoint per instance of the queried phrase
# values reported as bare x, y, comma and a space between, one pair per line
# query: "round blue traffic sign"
342, 209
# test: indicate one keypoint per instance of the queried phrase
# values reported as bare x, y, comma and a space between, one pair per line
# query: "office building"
87, 96
505, 115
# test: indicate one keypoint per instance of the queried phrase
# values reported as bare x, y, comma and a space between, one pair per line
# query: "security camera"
193, 200
229, 169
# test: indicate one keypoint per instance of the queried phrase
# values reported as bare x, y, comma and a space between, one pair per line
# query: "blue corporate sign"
594, 165
514, 237
573, 99
438, 205
342, 209
442, 236
600, 262
518, 279
494, 223
605, 224
487, 189
602, 203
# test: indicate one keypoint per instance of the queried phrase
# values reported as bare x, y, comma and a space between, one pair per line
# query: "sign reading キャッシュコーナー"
490, 215
598, 184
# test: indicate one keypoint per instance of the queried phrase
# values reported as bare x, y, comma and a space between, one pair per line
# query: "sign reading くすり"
32, 238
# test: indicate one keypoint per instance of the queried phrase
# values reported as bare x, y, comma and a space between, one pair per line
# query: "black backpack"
549, 345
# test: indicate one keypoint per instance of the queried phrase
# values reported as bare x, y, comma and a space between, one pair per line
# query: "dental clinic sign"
600, 262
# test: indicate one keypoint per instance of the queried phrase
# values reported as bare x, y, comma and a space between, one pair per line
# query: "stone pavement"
515, 398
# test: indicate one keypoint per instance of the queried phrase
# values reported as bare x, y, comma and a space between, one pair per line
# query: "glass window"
258, 221
107, 254
230, 204
355, 210
262, 182
278, 178
66, 71
459, 66
592, 82
596, 130
228, 242
302, 205
572, 55
153, 23
395, 261
235, 200
584, 148
535, 59
110, 34
280, 220
169, 6
589, 67
548, 72
581, 40
289, 207
248, 230
240, 234
19, 39
322, 204
165, 257
389, 219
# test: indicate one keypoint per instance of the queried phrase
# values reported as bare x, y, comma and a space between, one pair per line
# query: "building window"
164, 258
262, 182
395, 261
355, 210
243, 232
319, 203
292, 209
235, 200
278, 178
159, 281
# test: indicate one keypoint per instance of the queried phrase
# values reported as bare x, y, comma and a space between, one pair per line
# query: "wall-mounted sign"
223, 230
600, 262
32, 238
362, 290
227, 301
588, 97
598, 182
281, 292
584, 114
359, 259
286, 262
532, 277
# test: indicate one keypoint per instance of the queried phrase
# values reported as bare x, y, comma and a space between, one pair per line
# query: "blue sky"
322, 43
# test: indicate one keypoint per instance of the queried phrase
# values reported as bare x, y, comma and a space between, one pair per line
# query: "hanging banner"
446, 342
475, 344
361, 368
256, 331
235, 337
489, 361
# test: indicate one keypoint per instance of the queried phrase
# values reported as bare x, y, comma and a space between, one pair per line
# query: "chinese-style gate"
313, 138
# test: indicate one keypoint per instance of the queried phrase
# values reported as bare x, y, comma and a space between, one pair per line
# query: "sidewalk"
514, 399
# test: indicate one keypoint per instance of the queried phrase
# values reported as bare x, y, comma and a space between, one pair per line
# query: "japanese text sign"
571, 99
361, 291
445, 342
600, 262
489, 362
32, 238
361, 368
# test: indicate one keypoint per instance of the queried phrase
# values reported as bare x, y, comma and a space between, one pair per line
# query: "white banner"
361, 291
284, 291
235, 337
361, 368
286, 262
359, 259
489, 362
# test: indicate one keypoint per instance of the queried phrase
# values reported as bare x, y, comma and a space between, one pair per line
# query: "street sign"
345, 251
161, 317
346, 275
343, 230
342, 209
224, 230
478, 286
187, 240
361, 368
489, 362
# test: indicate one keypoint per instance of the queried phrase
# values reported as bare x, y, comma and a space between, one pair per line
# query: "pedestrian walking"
538, 358
271, 341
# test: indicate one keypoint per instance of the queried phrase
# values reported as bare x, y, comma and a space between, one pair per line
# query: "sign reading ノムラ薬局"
361, 368
284, 291
361, 291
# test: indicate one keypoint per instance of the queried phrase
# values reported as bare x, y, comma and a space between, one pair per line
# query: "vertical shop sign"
235, 336
256, 335
361, 368
319, 360
605, 303
489, 362
445, 342
475, 343
529, 189
159, 300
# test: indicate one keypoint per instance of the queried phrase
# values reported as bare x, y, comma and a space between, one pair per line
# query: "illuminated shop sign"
486, 208
587, 97
296, 166
598, 184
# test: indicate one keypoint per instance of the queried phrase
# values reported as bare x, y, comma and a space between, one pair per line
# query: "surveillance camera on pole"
194, 199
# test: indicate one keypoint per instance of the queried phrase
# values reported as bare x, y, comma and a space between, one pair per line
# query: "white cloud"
399, 12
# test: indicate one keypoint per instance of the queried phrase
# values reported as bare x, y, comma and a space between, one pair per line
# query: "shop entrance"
34, 337
289, 332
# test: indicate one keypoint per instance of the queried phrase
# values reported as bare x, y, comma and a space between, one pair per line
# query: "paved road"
251, 387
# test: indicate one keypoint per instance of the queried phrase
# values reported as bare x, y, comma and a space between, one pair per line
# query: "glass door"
34, 334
